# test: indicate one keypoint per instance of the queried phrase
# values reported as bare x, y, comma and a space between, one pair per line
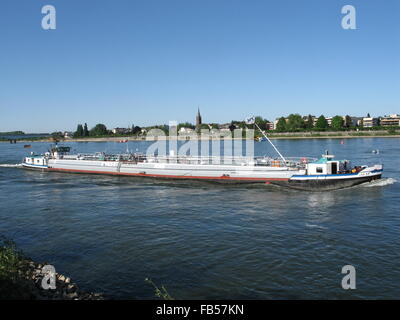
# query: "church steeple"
198, 119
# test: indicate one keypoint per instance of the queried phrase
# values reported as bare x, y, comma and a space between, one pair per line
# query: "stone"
65, 288
71, 288
85, 296
72, 295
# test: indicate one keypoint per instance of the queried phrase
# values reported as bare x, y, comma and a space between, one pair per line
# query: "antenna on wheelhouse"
252, 120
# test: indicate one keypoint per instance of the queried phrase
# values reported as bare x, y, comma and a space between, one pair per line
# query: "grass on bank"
14, 275
161, 293
14, 284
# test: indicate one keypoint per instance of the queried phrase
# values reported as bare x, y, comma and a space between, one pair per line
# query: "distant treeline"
291, 123
100, 130
12, 133
295, 122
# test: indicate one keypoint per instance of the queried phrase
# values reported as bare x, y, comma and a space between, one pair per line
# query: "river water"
202, 240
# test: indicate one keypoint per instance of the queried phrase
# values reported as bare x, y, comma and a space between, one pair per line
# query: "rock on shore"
65, 288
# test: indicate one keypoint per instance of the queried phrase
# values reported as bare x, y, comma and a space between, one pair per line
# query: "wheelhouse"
35, 160
58, 152
328, 165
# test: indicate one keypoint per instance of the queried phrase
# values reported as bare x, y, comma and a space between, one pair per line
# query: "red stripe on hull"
167, 176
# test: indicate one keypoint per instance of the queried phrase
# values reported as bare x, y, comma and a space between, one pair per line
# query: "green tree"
136, 130
79, 131
321, 123
213, 125
57, 136
163, 127
261, 122
295, 122
240, 124
99, 130
337, 122
310, 122
281, 125
85, 130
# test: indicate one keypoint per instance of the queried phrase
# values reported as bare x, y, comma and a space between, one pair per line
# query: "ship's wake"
10, 165
380, 183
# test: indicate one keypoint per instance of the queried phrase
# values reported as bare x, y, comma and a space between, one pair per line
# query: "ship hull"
328, 184
177, 176
226, 173
34, 167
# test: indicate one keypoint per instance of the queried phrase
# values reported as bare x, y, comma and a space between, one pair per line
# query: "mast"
266, 137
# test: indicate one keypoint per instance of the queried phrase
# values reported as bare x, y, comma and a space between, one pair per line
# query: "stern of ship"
35, 162
330, 174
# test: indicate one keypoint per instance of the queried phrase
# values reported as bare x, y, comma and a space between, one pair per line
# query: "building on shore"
356, 121
369, 122
313, 118
184, 130
275, 123
390, 121
271, 126
68, 134
121, 130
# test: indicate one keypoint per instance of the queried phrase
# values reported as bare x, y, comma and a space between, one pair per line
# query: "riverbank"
21, 279
283, 135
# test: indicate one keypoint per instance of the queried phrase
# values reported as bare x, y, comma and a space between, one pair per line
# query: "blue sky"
126, 62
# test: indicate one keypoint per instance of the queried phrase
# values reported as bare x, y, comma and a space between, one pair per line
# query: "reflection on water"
321, 199
204, 240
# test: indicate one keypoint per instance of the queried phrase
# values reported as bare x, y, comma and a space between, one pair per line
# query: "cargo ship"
325, 173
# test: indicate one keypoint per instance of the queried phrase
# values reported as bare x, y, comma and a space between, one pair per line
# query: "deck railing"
291, 162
